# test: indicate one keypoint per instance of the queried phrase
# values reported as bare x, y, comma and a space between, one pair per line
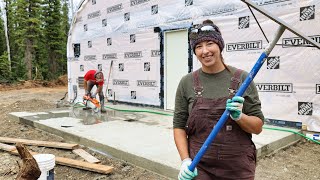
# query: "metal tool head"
281, 22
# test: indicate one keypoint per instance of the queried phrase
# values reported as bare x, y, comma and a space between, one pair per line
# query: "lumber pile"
90, 162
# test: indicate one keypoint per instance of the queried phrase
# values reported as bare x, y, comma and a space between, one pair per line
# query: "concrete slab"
141, 136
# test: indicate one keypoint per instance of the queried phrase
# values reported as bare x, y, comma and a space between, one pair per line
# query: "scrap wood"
7, 147
29, 169
58, 145
84, 165
103, 169
86, 156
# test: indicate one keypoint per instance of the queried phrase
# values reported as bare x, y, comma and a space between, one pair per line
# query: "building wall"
123, 32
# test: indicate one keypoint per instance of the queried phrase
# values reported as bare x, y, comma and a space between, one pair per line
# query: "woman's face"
209, 55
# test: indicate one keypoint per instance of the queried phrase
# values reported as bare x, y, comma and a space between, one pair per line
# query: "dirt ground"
300, 161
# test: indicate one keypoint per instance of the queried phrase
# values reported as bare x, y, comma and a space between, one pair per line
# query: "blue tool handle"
226, 113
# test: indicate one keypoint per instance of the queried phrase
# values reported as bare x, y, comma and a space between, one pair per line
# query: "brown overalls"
232, 154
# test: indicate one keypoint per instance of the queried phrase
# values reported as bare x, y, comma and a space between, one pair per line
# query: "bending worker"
94, 78
201, 98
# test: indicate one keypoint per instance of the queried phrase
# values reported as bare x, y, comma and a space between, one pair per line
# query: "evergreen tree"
27, 31
10, 6
5, 73
54, 36
37, 32
3, 47
66, 27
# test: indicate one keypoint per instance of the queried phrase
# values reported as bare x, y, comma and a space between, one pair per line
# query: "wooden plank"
103, 169
84, 165
7, 147
58, 145
86, 156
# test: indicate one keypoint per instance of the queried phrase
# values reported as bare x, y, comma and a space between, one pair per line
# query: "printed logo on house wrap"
126, 16
305, 108
137, 2
147, 66
297, 41
89, 44
132, 38
104, 22
307, 13
133, 95
317, 88
110, 93
275, 87
121, 82
244, 46
155, 53
227, 9
109, 56
244, 22
273, 62
94, 14
121, 66
188, 2
267, 2
90, 57
154, 9
136, 54
114, 8
146, 83
109, 41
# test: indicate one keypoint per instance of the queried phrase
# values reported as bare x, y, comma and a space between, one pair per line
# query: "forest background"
33, 39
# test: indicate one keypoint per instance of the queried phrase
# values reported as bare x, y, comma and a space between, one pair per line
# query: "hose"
79, 104
288, 130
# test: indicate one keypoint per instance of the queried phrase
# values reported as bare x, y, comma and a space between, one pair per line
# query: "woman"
201, 99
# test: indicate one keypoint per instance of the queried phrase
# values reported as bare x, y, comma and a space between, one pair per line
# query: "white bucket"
46, 163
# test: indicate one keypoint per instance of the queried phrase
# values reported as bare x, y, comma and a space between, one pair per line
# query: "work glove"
185, 173
235, 106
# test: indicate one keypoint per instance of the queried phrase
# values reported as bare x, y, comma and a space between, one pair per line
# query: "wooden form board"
86, 156
6, 147
103, 169
58, 145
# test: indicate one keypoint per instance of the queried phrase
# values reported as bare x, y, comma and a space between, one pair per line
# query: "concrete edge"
144, 163
275, 146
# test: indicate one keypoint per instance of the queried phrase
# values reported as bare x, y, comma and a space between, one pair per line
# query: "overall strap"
235, 80
198, 89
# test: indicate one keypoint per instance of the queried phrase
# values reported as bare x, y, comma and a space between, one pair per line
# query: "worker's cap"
207, 31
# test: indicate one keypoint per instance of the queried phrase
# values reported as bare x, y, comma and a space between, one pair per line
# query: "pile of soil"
60, 81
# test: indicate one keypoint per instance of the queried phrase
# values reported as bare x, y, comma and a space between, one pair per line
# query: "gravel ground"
297, 162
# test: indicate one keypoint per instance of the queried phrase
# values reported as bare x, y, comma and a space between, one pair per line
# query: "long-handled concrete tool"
283, 26
110, 69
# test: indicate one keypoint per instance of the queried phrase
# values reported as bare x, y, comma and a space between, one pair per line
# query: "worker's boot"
103, 109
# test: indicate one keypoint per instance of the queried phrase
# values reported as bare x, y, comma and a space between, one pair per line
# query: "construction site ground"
299, 161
